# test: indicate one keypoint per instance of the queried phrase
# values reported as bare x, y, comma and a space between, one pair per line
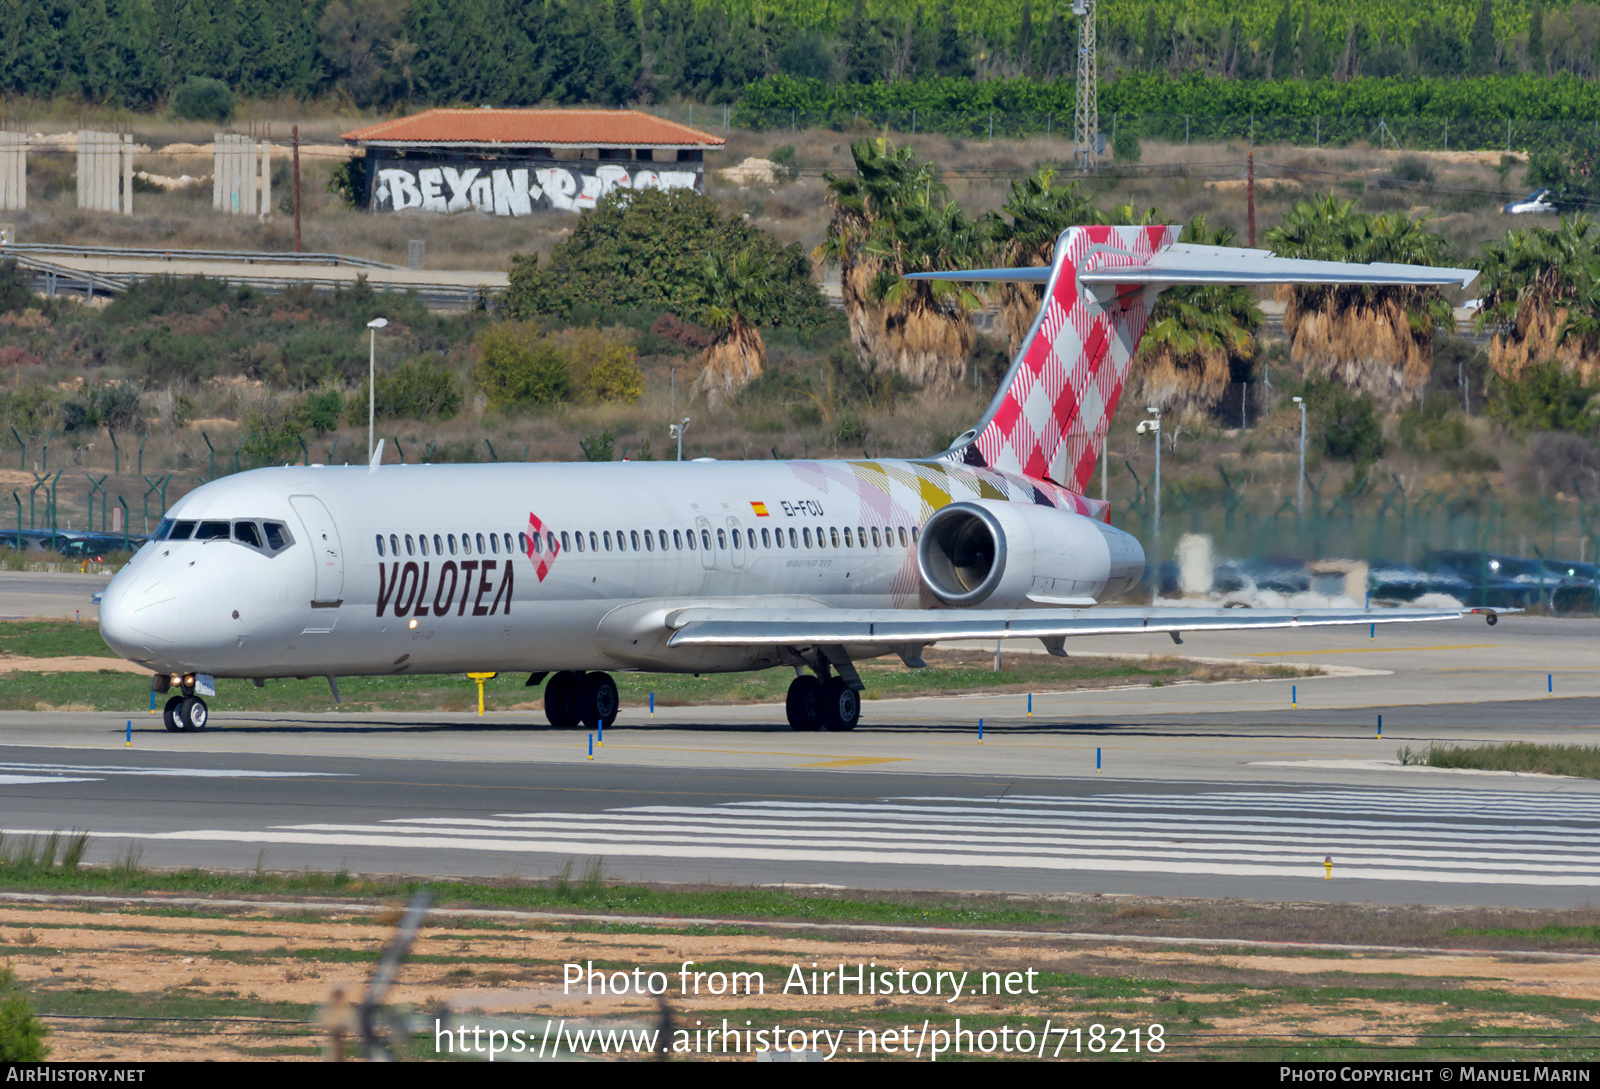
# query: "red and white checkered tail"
1049, 418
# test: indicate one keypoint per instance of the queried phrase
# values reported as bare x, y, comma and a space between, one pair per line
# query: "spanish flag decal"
760, 509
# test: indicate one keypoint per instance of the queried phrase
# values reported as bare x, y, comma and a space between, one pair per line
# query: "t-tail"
1048, 420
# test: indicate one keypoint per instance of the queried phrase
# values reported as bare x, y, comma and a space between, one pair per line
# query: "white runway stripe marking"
1492, 838
179, 773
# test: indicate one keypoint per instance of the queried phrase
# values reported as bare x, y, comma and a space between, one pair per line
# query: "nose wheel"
185, 714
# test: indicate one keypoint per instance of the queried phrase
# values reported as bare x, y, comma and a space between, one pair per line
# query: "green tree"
1282, 62
643, 250
1480, 42
1537, 285
1536, 55
1039, 209
1376, 340
201, 99
737, 291
1197, 338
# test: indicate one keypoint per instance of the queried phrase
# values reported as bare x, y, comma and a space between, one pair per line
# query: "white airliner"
571, 571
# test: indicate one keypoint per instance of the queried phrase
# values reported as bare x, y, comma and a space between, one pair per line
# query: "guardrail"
51, 279
248, 257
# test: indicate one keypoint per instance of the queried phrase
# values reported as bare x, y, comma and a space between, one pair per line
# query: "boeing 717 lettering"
571, 572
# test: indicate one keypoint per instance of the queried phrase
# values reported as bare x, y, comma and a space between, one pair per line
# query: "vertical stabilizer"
1049, 418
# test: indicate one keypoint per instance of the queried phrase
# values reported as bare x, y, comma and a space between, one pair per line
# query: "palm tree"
1542, 286
1377, 340
892, 218
1040, 210
737, 291
1197, 336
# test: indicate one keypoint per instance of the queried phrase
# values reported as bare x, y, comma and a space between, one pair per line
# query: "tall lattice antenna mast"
1086, 118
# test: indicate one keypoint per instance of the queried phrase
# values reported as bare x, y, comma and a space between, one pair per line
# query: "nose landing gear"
185, 714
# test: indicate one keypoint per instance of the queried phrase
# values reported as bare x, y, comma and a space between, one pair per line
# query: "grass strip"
1577, 760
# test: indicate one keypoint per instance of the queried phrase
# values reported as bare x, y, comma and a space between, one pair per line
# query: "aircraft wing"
703, 626
1186, 264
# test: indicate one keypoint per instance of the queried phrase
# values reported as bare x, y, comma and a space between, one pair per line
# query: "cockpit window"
268, 537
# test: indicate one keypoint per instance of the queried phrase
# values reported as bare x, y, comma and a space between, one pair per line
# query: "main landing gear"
817, 704
185, 713
572, 698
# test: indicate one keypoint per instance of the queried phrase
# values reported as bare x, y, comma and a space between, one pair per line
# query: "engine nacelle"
1013, 555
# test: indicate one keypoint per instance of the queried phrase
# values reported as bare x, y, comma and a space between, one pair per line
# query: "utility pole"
1250, 194
294, 132
1086, 115
1154, 426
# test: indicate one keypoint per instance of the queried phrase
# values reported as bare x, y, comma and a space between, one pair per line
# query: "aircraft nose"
133, 619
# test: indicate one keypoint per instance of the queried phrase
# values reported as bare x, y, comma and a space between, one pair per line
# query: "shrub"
418, 389
602, 366
21, 1033
1347, 422
1545, 398
113, 406
1125, 146
1434, 428
518, 367
200, 99
320, 411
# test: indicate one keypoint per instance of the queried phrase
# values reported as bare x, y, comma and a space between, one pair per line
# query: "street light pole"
1155, 426
1300, 485
676, 431
372, 380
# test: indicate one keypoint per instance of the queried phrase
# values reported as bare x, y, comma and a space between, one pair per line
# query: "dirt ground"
148, 961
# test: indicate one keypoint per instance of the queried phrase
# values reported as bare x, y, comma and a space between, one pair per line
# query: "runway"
1257, 790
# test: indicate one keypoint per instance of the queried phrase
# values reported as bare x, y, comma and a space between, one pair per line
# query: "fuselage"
315, 571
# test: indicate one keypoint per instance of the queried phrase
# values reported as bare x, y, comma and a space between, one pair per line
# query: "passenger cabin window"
566, 542
450, 540
409, 551
379, 538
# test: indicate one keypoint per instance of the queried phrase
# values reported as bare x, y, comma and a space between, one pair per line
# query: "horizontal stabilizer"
1037, 274
1186, 264
702, 627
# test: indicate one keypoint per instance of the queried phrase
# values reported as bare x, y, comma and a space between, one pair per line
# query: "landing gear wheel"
802, 704
599, 702
1491, 620
172, 714
840, 705
195, 713
558, 701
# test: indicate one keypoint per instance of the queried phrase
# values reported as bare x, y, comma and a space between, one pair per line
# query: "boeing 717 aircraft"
571, 572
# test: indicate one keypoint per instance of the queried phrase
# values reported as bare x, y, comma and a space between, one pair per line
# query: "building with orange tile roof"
518, 162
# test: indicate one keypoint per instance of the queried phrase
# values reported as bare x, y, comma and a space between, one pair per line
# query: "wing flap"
891, 627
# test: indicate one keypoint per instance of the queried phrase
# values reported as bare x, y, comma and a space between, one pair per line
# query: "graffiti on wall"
515, 188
